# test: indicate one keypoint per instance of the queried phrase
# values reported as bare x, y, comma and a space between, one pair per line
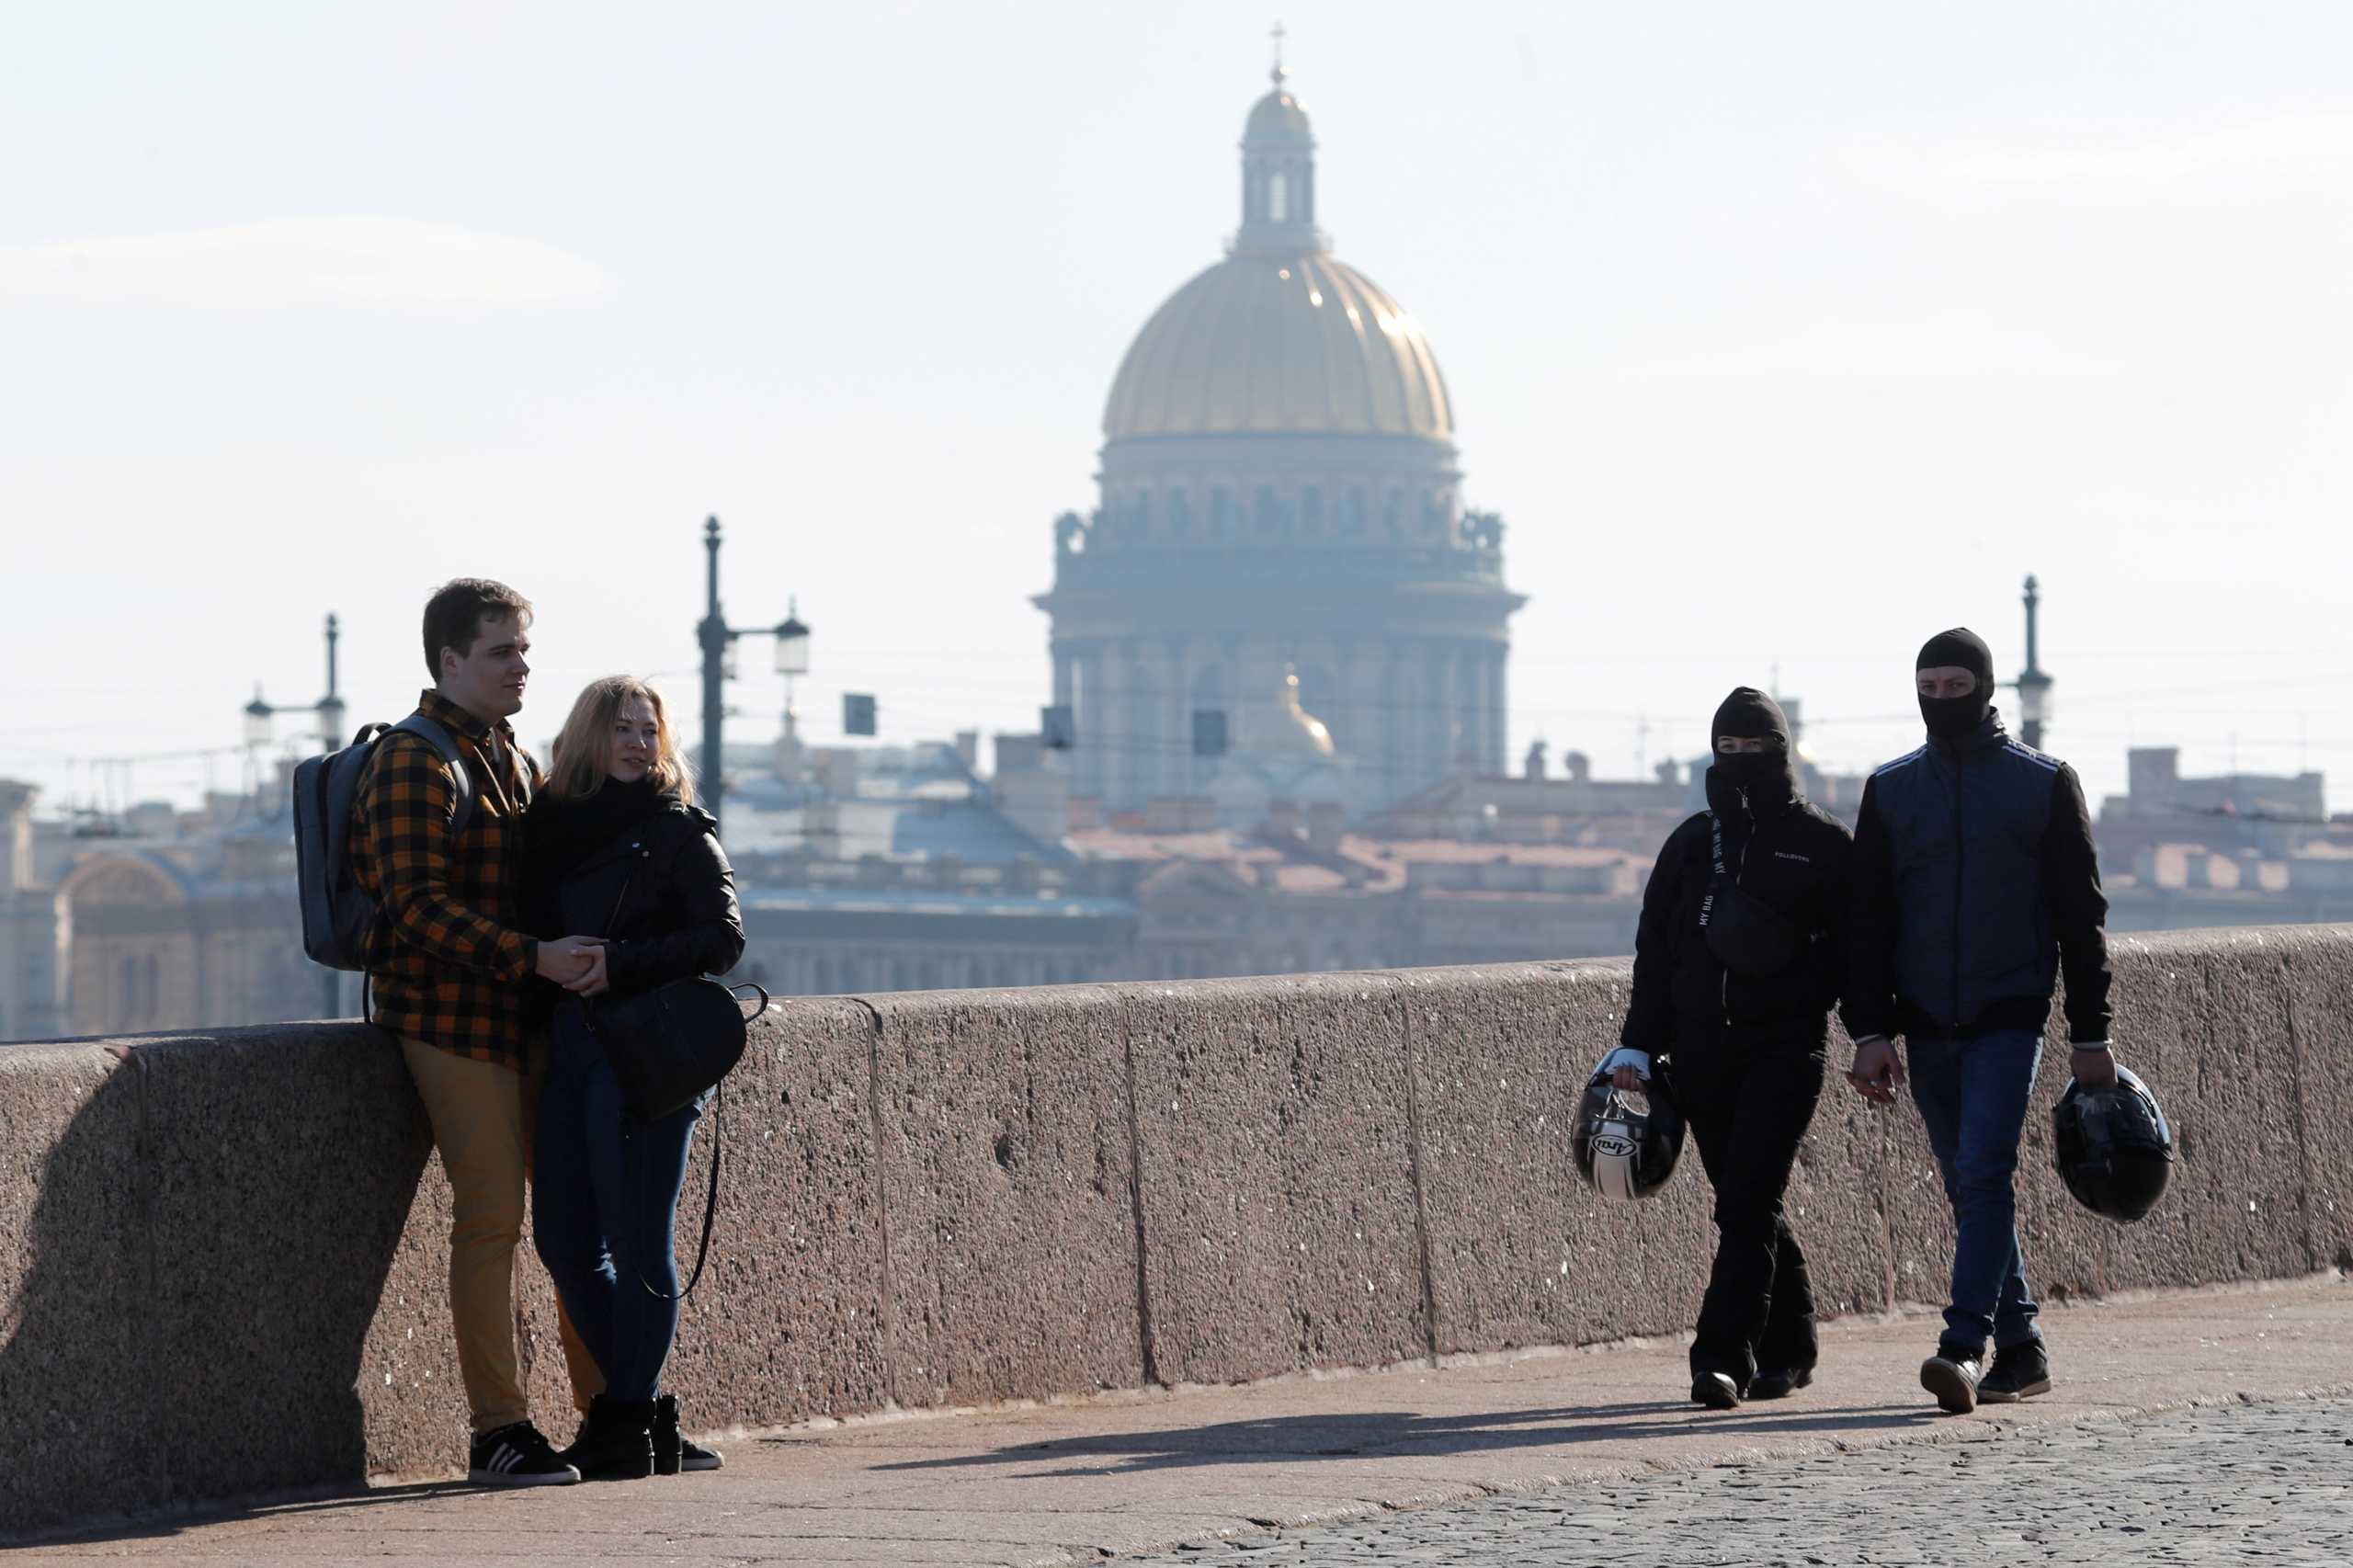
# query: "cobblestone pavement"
2234, 1484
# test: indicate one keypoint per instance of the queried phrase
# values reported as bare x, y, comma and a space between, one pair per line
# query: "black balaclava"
1749, 713
1950, 717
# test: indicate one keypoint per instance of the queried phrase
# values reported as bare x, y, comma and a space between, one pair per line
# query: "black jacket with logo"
1783, 851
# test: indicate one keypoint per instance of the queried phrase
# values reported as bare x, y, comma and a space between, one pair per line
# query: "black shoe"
616, 1443
2019, 1371
1952, 1374
1777, 1385
672, 1451
517, 1456
1715, 1390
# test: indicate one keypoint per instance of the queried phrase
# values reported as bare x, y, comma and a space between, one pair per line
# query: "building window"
1266, 509
1311, 508
1278, 197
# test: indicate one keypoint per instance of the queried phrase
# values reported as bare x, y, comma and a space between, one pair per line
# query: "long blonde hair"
582, 758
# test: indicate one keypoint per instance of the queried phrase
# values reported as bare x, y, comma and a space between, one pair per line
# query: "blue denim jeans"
603, 1199
1972, 1093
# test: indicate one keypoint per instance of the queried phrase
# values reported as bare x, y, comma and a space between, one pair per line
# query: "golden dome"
1274, 343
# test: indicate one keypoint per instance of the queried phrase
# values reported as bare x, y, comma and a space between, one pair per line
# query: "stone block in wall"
2318, 970
1523, 1252
2203, 1019
280, 1168
787, 1322
1278, 1220
81, 1392
1002, 1134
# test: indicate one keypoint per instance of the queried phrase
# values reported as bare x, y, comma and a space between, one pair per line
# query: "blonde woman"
617, 850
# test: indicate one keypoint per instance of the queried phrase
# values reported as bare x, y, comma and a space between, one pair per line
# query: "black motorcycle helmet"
2114, 1149
1626, 1146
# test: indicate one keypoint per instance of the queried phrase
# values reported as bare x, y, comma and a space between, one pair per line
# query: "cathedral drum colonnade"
1280, 497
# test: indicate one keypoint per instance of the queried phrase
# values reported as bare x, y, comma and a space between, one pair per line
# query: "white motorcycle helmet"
1627, 1144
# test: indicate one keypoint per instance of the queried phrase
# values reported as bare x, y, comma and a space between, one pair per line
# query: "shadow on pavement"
1378, 1433
292, 1508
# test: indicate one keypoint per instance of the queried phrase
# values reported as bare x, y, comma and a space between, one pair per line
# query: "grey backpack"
337, 912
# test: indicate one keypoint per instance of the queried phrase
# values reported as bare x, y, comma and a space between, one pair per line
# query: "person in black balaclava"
1736, 966
1951, 713
1976, 885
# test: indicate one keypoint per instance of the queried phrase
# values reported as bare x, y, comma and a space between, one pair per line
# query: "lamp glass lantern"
2034, 699
791, 646
258, 724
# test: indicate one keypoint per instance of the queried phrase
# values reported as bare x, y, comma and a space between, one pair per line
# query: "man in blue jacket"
1976, 887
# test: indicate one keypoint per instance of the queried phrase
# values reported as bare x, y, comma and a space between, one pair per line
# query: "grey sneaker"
1952, 1374
2019, 1371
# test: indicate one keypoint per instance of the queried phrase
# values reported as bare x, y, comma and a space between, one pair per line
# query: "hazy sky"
1780, 336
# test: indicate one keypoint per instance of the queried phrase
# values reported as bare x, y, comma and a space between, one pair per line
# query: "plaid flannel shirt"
449, 959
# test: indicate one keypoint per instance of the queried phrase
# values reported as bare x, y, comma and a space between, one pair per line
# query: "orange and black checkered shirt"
449, 959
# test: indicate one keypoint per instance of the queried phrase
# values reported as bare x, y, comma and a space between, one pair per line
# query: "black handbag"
668, 1045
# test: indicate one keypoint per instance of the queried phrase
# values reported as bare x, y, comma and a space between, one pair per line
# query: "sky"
1782, 337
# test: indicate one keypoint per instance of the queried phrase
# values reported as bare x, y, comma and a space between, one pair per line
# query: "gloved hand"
1629, 1069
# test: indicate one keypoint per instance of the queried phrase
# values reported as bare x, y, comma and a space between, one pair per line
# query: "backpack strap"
435, 734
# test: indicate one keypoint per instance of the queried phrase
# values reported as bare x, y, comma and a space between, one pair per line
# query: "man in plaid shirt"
449, 966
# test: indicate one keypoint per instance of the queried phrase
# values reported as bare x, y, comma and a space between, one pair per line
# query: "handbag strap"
711, 1198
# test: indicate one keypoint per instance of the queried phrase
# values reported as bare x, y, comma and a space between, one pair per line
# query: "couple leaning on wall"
1968, 887
511, 902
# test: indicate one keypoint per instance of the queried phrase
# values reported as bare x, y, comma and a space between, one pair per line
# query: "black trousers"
1748, 1097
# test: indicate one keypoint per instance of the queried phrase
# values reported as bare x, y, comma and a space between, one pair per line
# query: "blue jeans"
1973, 1094
603, 1199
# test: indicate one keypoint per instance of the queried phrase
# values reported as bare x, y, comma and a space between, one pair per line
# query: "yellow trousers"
482, 1115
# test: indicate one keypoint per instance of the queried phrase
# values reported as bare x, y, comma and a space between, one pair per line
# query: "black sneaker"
1715, 1390
1952, 1374
517, 1456
2019, 1371
673, 1451
616, 1443
1777, 1385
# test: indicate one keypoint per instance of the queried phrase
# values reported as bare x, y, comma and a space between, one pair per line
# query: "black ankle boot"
672, 1452
616, 1443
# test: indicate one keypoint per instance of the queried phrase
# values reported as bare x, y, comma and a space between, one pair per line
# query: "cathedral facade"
1279, 540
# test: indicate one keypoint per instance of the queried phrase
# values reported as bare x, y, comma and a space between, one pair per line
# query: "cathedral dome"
1280, 337
1274, 343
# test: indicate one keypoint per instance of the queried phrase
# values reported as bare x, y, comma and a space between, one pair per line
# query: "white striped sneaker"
518, 1456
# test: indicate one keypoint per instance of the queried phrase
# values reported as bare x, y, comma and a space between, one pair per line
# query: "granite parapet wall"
223, 1256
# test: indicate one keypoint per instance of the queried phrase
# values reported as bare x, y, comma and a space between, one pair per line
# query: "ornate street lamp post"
718, 642
329, 708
